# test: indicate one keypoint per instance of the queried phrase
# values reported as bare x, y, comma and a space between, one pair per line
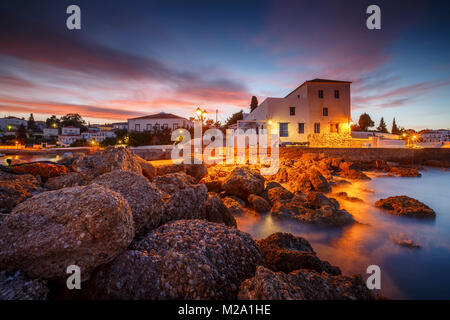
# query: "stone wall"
403, 155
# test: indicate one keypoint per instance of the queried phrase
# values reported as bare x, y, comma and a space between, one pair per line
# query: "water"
29, 158
405, 273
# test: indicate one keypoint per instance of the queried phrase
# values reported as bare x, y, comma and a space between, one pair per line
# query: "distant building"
157, 122
120, 125
315, 107
438, 136
98, 136
69, 135
11, 123
50, 132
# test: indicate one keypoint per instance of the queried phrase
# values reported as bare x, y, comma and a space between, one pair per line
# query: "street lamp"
199, 113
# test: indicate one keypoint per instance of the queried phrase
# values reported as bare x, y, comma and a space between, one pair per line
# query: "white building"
120, 125
96, 135
69, 135
11, 123
315, 107
50, 132
158, 122
437, 136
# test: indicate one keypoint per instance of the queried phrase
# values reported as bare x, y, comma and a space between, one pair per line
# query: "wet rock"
17, 286
403, 241
144, 198
86, 226
44, 170
318, 181
258, 203
405, 206
303, 285
107, 160
242, 182
345, 196
279, 193
316, 209
15, 188
404, 172
285, 252
351, 170
185, 259
235, 206
72, 179
216, 211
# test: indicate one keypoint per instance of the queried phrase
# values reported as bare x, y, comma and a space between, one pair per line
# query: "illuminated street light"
198, 112
204, 115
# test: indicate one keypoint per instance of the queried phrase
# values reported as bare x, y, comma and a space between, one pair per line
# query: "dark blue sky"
137, 57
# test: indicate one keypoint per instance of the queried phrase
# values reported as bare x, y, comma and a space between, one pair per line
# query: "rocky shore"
140, 232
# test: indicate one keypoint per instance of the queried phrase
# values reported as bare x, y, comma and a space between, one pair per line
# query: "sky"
133, 58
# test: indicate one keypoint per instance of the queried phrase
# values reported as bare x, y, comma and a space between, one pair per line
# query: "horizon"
129, 61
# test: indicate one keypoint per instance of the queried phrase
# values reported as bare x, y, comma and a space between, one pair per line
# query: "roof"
318, 80
161, 115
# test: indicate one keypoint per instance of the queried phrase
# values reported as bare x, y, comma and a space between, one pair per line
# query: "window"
334, 127
316, 127
165, 126
137, 127
175, 126
284, 131
292, 111
320, 94
149, 127
157, 127
301, 128
325, 112
336, 94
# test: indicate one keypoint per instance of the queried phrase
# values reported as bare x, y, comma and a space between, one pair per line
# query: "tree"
234, 118
253, 103
365, 122
21, 134
73, 119
31, 123
395, 129
52, 122
382, 126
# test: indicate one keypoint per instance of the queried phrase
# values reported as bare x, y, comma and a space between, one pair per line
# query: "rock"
285, 252
44, 170
404, 172
316, 209
148, 170
345, 196
182, 198
170, 168
144, 198
214, 186
216, 211
318, 181
303, 285
173, 182
242, 182
197, 171
107, 160
405, 206
279, 193
234, 206
72, 179
351, 170
402, 241
185, 259
17, 286
258, 203
15, 188
84, 226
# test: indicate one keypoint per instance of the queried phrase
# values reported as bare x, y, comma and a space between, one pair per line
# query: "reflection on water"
406, 273
29, 158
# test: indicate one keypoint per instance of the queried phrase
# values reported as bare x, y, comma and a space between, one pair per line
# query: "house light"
270, 122
351, 123
9, 127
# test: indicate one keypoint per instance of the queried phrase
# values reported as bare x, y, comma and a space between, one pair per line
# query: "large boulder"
316, 208
318, 181
144, 198
43, 170
216, 211
258, 203
242, 182
234, 205
197, 171
84, 226
107, 160
72, 179
303, 285
15, 188
182, 199
185, 259
285, 252
17, 286
148, 170
405, 206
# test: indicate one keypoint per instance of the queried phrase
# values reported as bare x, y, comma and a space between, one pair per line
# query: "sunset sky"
133, 58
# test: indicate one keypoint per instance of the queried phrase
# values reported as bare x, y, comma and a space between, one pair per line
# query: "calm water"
406, 273
30, 158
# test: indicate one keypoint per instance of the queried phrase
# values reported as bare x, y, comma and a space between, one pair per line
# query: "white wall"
148, 124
